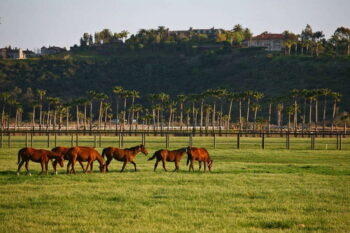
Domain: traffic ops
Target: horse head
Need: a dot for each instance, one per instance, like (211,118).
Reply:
(210,164)
(143,149)
(103,168)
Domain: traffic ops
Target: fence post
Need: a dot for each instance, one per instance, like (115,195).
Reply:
(263,141)
(214,141)
(238,140)
(48,140)
(288,140)
(31,139)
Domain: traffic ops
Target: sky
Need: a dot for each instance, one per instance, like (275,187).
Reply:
(36,23)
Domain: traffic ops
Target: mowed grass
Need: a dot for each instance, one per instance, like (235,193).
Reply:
(249,190)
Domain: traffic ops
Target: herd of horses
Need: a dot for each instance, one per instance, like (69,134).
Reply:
(89,154)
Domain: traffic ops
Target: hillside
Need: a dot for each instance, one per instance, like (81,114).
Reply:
(71,75)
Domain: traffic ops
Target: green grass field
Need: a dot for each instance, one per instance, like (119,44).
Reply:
(249,190)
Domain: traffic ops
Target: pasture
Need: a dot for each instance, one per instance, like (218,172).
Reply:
(249,190)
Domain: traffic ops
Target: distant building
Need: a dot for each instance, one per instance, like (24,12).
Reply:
(51,50)
(28,53)
(4,53)
(271,42)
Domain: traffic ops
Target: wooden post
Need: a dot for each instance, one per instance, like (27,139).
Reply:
(287,141)
(31,139)
(77,139)
(238,140)
(263,141)
(48,140)
(55,139)
(26,143)
(214,141)
(71,140)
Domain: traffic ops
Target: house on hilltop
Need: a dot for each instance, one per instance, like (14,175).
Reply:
(51,50)
(271,41)
(12,53)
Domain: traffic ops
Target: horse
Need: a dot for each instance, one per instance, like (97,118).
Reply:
(38,156)
(62,151)
(199,154)
(83,154)
(170,156)
(123,155)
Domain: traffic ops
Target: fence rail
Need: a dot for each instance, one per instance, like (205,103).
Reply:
(234,140)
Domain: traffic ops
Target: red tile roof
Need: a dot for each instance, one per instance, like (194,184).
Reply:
(268,36)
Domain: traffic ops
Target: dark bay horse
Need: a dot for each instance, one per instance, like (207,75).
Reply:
(124,155)
(62,151)
(199,154)
(84,154)
(39,156)
(170,156)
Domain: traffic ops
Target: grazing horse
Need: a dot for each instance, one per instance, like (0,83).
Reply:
(170,156)
(199,154)
(38,156)
(62,151)
(84,154)
(124,155)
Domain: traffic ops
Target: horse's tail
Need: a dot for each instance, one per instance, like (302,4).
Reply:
(19,155)
(188,158)
(104,152)
(154,155)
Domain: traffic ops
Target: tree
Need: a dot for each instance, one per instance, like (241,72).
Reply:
(343,35)
(92,96)
(134,95)
(316,41)
(295,93)
(336,98)
(181,99)
(118,90)
(4,97)
(101,97)
(41,94)
(306,36)
(324,92)
(290,39)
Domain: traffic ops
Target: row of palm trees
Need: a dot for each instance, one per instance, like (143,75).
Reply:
(219,109)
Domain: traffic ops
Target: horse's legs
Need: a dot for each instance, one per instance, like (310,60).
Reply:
(205,166)
(81,164)
(134,164)
(54,166)
(108,162)
(19,166)
(87,166)
(176,166)
(155,165)
(42,163)
(27,162)
(91,167)
(68,165)
(191,165)
(125,162)
(200,165)
(73,166)
(46,167)
(163,161)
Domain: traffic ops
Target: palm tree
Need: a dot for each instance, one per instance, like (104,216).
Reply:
(207,109)
(295,93)
(343,34)
(336,98)
(171,105)
(153,99)
(231,96)
(316,40)
(92,96)
(193,98)
(66,107)
(125,95)
(106,108)
(134,95)
(324,92)
(101,97)
(255,107)
(4,96)
(270,101)
(202,98)
(181,99)
(290,110)
(248,95)
(316,93)
(345,118)
(118,90)
(240,97)
(138,108)
(41,94)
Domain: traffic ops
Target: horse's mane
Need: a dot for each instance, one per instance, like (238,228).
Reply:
(132,148)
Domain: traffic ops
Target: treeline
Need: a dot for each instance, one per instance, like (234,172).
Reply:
(221,109)
(307,41)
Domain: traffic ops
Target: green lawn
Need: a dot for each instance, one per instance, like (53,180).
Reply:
(249,190)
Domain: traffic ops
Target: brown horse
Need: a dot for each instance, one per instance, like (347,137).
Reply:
(62,151)
(124,155)
(199,154)
(170,156)
(84,154)
(39,156)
